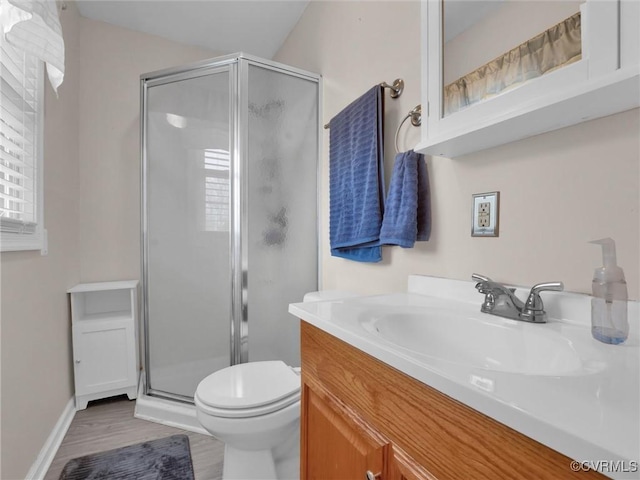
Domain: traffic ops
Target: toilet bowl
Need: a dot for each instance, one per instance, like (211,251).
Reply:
(254,408)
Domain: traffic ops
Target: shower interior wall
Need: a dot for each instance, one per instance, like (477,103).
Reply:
(230,161)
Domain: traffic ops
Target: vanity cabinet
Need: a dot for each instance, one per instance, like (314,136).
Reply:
(104,331)
(362,419)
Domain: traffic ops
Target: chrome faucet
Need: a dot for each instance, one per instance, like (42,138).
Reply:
(502,301)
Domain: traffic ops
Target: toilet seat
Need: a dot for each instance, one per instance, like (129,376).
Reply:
(246,412)
(248,390)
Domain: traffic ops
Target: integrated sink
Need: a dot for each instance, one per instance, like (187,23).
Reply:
(483,341)
(550,381)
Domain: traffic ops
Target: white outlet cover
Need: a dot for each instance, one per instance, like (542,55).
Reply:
(490,228)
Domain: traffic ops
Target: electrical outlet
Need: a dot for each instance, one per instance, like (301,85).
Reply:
(484,218)
(484,214)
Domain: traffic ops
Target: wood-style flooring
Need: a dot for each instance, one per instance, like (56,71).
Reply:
(109,424)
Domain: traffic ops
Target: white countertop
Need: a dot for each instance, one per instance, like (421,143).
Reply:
(592,415)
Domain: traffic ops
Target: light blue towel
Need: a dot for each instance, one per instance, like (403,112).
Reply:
(407,215)
(356,179)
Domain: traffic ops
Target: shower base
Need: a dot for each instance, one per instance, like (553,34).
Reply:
(166,412)
(181,379)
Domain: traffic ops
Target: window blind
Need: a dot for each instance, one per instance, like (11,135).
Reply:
(216,164)
(19,107)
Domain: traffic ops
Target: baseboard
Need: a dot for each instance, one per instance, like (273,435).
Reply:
(39,468)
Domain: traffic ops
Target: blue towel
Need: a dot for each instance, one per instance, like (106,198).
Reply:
(407,216)
(356,179)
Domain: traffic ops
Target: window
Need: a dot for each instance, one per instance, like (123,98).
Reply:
(21,120)
(216,165)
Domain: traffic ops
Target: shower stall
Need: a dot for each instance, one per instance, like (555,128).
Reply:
(229,216)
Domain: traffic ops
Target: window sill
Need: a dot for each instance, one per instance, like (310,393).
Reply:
(15,242)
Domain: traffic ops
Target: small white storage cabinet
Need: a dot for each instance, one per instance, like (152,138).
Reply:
(105,339)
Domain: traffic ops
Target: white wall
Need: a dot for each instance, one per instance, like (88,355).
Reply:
(558,190)
(112,60)
(37,379)
(91,183)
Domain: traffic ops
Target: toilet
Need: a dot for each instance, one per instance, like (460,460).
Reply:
(254,408)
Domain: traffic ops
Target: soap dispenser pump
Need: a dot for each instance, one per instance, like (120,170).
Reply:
(609,322)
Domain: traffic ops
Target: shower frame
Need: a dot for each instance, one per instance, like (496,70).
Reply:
(238,66)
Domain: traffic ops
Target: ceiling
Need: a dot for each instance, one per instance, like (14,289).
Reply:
(258,27)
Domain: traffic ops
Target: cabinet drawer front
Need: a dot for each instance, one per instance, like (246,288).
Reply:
(104,358)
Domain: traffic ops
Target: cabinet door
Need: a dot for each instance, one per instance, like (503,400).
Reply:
(337,445)
(104,355)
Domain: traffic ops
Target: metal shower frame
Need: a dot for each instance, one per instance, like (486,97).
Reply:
(237,65)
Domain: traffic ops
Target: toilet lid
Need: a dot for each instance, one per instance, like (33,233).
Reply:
(249,385)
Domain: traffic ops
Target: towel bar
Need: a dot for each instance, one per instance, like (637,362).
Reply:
(396,90)
(416,121)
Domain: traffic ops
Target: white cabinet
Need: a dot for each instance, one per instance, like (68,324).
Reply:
(605,80)
(105,338)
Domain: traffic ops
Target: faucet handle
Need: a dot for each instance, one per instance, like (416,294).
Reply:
(551,286)
(480,278)
(534,306)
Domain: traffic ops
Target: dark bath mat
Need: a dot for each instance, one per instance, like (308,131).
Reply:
(163,459)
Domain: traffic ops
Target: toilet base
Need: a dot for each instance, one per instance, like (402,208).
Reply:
(248,464)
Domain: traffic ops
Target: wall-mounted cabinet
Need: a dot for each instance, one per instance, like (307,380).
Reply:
(104,326)
(470,107)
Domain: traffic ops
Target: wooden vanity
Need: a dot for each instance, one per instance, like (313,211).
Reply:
(362,419)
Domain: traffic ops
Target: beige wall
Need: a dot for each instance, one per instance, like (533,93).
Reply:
(112,60)
(37,380)
(558,190)
(92,217)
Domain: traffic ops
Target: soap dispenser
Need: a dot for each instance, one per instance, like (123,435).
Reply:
(609,322)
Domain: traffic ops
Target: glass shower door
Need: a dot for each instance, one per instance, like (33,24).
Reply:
(187,260)
(282,240)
